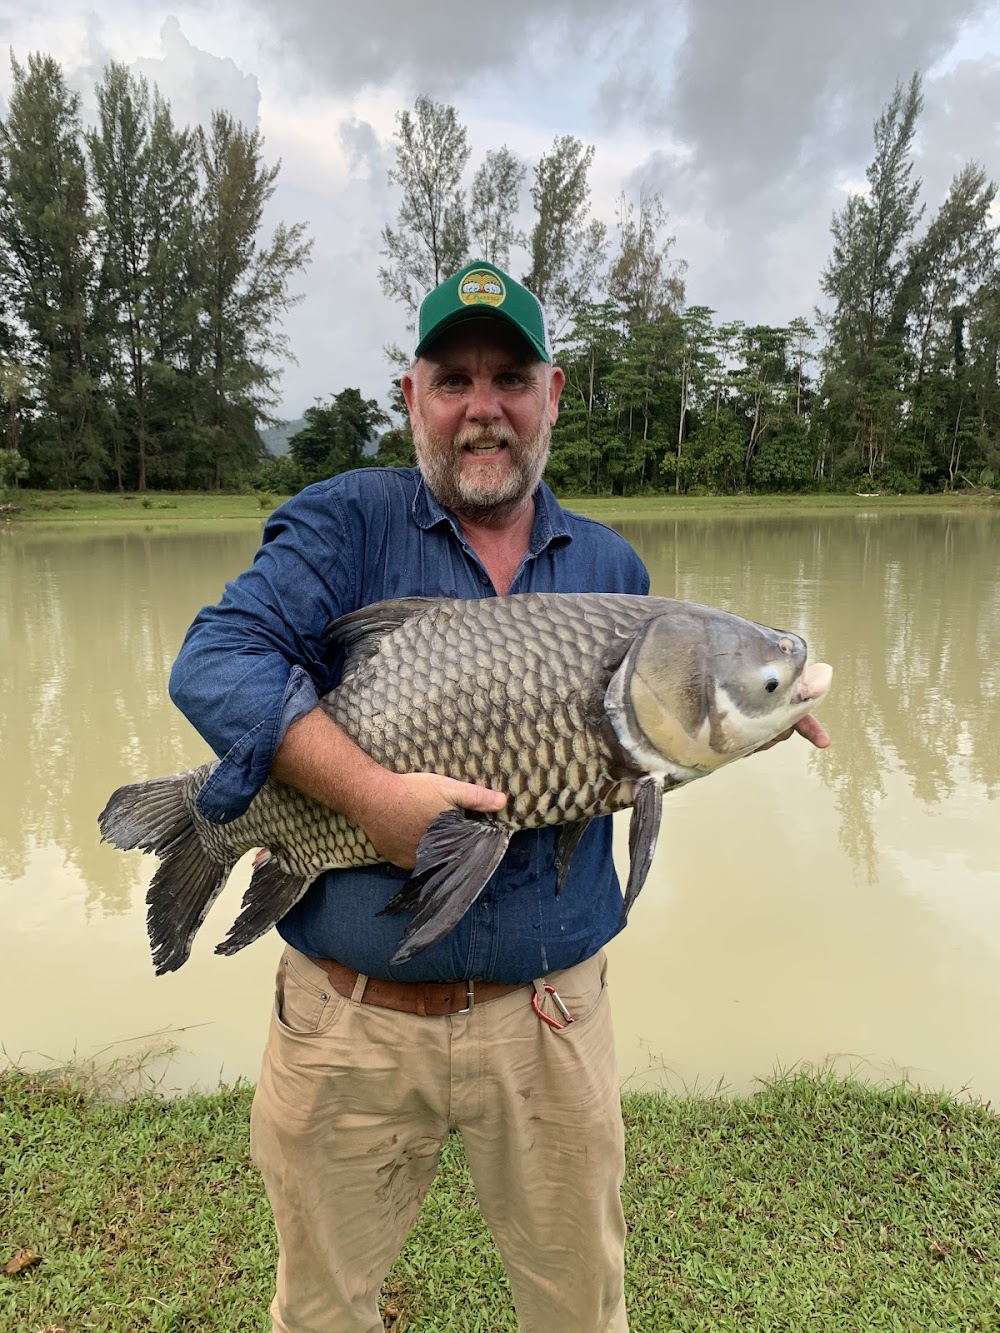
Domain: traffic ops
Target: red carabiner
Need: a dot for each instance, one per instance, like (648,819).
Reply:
(557,999)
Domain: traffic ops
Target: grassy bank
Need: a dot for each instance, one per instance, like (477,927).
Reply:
(151,507)
(816,1204)
(168,507)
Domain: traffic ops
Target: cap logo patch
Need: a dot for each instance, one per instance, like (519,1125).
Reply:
(482,287)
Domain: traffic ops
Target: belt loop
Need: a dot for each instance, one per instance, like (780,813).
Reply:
(359,988)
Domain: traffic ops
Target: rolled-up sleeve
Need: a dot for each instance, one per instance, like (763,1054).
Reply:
(253,664)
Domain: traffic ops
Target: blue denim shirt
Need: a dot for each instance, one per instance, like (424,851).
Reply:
(253,664)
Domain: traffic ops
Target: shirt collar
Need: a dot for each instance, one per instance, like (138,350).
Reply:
(549,526)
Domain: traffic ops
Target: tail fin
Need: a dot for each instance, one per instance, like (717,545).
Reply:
(158,817)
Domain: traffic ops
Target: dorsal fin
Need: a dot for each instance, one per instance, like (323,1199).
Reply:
(357,635)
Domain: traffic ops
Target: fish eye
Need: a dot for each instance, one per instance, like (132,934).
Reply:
(770,684)
(785,645)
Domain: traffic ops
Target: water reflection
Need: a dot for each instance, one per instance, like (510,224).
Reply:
(906,607)
(89,627)
(761,939)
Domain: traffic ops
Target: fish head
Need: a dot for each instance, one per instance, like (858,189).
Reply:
(699,688)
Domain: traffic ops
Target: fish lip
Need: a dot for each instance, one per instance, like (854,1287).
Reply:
(814,683)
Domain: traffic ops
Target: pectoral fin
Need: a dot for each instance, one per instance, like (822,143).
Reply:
(566,845)
(643,829)
(456,858)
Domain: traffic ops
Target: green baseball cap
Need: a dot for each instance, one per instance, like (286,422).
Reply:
(480,290)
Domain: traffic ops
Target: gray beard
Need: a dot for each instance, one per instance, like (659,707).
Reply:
(440,463)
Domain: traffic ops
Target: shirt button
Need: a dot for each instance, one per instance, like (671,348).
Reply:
(485,579)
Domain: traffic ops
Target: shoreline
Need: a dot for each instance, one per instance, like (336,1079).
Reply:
(155,508)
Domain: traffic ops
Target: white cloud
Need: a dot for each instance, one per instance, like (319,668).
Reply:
(197,83)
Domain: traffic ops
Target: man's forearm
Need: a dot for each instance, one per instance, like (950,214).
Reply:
(318,757)
(394,809)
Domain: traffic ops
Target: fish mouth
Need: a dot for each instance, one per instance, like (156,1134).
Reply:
(814,682)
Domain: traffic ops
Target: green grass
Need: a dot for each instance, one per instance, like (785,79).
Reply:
(83,507)
(816,1204)
(163,507)
(611,509)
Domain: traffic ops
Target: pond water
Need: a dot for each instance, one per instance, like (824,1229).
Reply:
(838,907)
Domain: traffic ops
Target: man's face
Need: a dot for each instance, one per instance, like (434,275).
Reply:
(482,407)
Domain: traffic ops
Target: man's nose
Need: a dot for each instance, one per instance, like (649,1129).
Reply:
(483,403)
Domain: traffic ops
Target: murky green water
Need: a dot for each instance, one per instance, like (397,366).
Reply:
(839,906)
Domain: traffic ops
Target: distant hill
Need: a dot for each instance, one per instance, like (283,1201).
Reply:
(276,437)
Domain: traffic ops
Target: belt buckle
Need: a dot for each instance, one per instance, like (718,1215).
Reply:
(470,995)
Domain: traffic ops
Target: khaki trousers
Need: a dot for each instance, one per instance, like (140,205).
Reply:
(352,1108)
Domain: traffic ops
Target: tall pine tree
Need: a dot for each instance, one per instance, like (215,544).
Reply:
(244,290)
(864,280)
(431,238)
(567,247)
(47,265)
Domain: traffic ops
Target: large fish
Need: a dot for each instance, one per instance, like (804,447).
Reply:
(574,705)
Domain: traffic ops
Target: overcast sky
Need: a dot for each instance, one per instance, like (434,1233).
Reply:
(752,118)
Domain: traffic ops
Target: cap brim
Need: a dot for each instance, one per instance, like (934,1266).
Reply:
(479,312)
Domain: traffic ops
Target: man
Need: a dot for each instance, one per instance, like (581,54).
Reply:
(368,1066)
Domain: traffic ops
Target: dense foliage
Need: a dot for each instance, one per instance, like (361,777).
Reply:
(138,301)
(139,309)
(337,436)
(892,386)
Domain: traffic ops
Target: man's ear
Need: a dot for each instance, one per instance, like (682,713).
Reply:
(409,390)
(556,383)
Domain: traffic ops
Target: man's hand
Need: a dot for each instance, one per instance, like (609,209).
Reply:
(813,730)
(809,727)
(396,820)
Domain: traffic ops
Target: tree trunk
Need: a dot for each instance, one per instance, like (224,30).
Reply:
(680,426)
(956,449)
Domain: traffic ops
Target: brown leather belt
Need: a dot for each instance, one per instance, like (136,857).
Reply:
(430,998)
